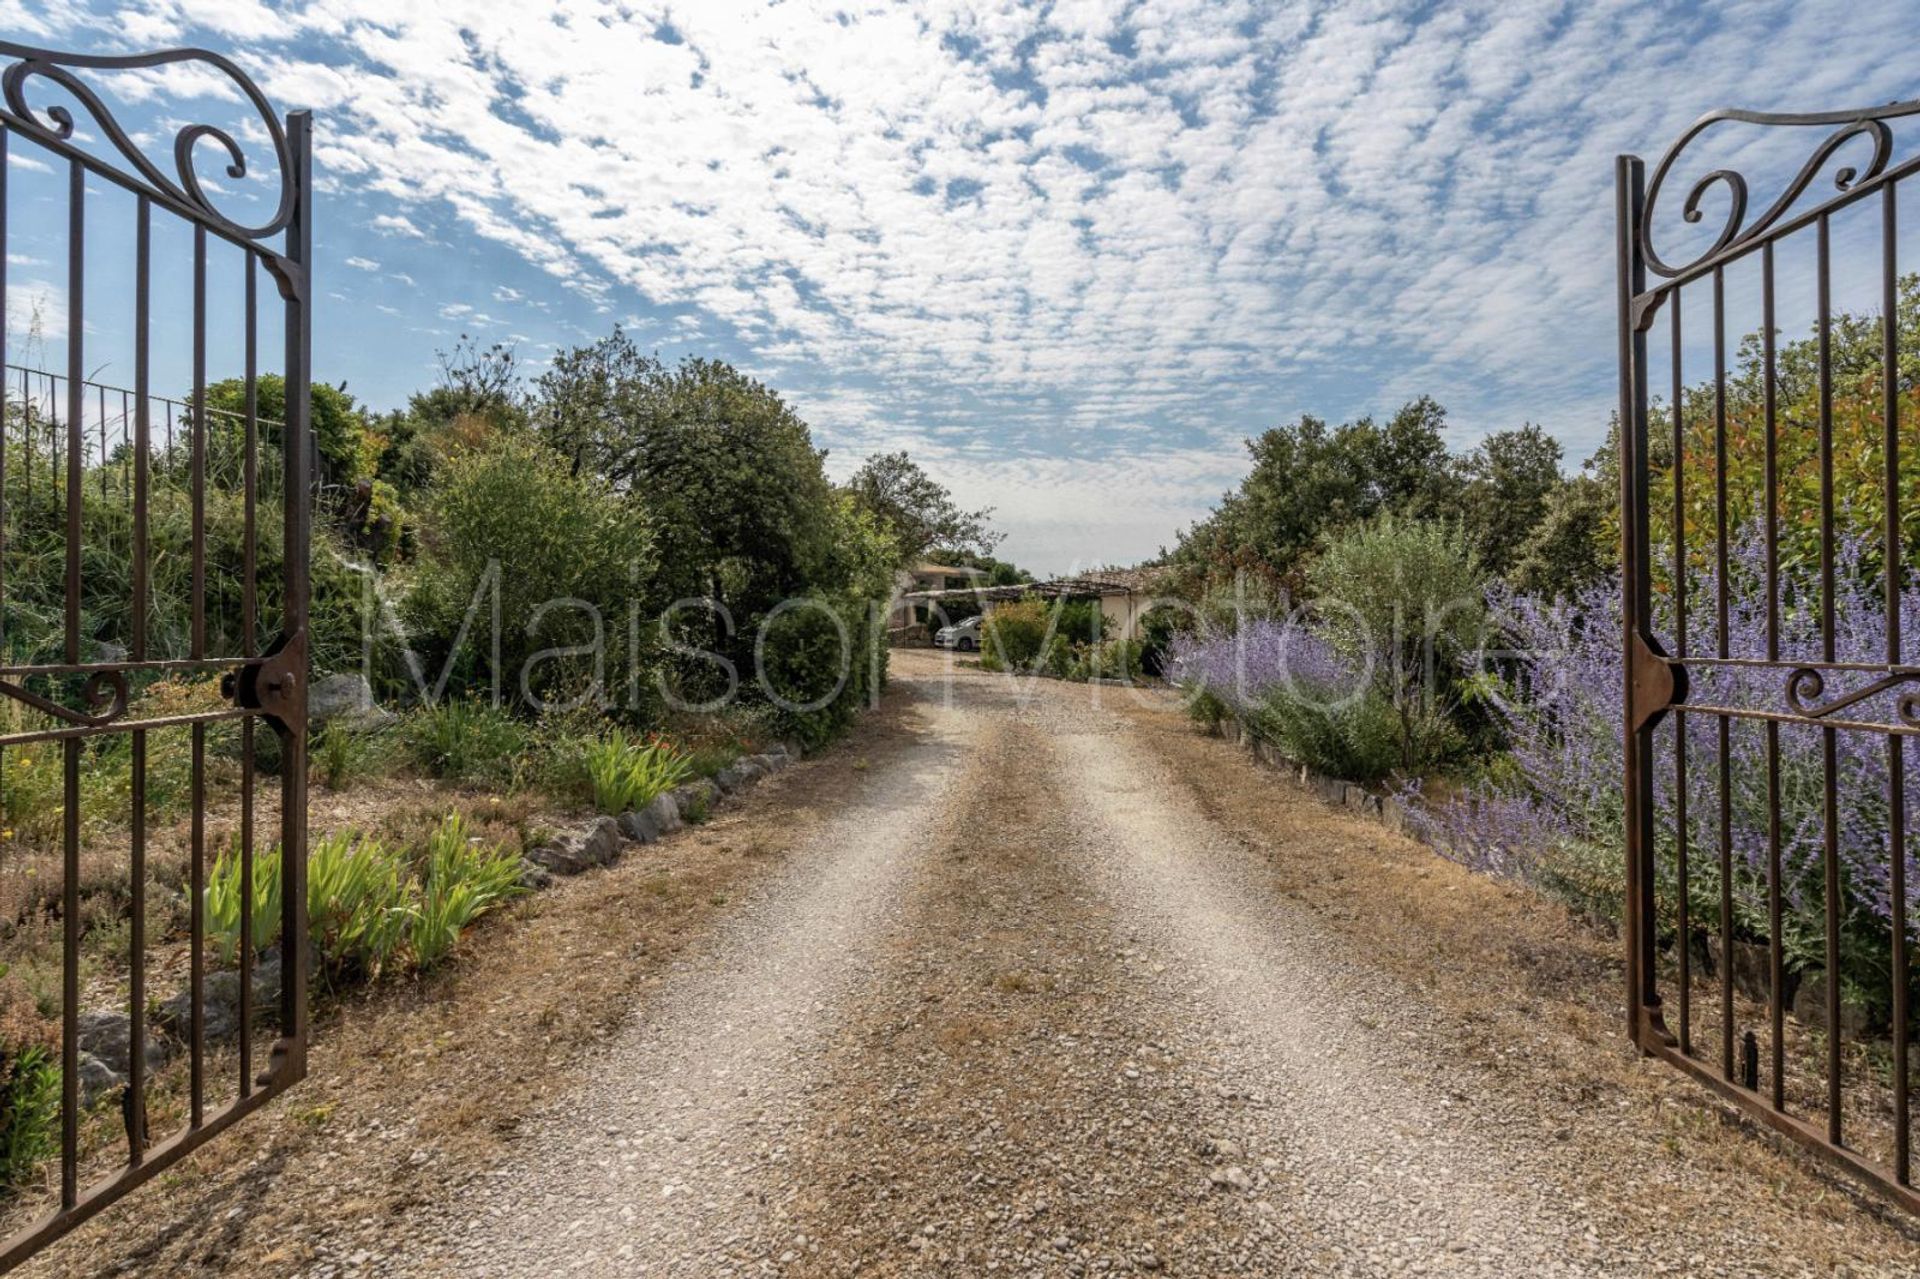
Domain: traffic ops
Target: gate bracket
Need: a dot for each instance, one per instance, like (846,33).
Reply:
(1655,683)
(273,685)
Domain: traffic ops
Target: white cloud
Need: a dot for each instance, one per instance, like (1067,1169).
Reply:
(394,224)
(362,264)
(36,312)
(1012,242)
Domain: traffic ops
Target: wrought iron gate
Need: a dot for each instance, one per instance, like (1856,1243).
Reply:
(1749,497)
(172,665)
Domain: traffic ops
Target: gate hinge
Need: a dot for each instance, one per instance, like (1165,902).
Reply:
(276,684)
(1655,684)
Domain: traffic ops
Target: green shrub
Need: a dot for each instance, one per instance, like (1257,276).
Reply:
(819,660)
(1079,621)
(224,902)
(1040,635)
(463,878)
(627,776)
(1406,599)
(559,741)
(1013,635)
(36,578)
(1057,657)
(29,1112)
(341,755)
(1113,659)
(1359,742)
(465,740)
(359,908)
(557,539)
(1205,707)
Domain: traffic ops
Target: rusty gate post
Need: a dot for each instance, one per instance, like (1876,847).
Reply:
(1643,999)
(292,725)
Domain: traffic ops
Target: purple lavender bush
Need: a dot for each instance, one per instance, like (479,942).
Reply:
(1551,811)
(1289,685)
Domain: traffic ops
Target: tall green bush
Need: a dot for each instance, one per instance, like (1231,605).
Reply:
(1013,635)
(560,548)
(1405,600)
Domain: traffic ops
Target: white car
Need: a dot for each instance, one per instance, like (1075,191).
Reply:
(963,636)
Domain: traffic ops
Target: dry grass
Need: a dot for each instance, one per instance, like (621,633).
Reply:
(414,1084)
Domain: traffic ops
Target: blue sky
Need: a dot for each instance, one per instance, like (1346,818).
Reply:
(1068,254)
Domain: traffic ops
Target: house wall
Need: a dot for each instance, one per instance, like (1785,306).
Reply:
(1122,614)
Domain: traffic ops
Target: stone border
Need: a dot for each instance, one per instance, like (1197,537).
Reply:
(601,841)
(1387,810)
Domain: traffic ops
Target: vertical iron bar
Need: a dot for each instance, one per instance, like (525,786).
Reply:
(1643,1000)
(247,620)
(4,425)
(1683,899)
(1829,740)
(1896,575)
(1721,610)
(103,441)
(297,509)
(137,651)
(70,889)
(1776,954)
(197,908)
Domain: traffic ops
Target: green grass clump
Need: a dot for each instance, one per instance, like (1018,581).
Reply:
(369,910)
(627,775)
(465,740)
(225,885)
(462,880)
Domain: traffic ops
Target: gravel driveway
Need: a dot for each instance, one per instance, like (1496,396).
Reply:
(1030,1003)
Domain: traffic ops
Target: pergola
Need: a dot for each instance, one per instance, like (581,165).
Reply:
(1063,587)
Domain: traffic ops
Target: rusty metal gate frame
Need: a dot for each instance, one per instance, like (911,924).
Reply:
(264,681)
(1656,683)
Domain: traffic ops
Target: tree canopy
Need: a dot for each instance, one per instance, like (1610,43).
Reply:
(918,510)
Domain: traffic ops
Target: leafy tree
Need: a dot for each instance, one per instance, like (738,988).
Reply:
(1406,600)
(999,572)
(1308,480)
(1858,446)
(1575,544)
(1504,488)
(476,382)
(339,429)
(918,510)
(741,506)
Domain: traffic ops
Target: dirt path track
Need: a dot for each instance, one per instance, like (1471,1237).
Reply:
(1027,979)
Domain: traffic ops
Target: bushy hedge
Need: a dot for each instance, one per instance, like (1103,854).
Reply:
(570,560)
